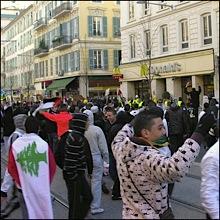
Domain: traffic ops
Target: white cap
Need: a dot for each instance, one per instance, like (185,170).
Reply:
(136,96)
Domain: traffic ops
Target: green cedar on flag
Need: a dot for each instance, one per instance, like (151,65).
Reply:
(144,70)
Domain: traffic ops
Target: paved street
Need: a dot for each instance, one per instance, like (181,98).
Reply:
(185,203)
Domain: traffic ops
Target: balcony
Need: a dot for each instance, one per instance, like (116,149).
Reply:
(61,42)
(41,52)
(62,10)
(40,24)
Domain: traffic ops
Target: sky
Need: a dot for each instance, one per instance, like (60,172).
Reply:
(17,4)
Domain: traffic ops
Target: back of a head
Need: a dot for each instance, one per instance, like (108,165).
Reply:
(90,116)
(63,107)
(79,122)
(31,125)
(19,121)
(127,108)
(144,120)
(206,105)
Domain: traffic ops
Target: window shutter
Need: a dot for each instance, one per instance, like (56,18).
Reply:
(77,27)
(104,21)
(116,64)
(105,53)
(114,22)
(90,18)
(78,60)
(91,64)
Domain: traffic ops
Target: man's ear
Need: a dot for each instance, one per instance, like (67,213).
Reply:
(144,133)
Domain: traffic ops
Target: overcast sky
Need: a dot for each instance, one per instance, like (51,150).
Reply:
(17,4)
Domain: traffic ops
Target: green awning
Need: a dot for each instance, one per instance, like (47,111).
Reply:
(60,83)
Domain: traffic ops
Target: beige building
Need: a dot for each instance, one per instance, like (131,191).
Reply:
(177,40)
(18,56)
(77,45)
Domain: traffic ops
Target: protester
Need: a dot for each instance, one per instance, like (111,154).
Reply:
(31,163)
(210,179)
(8,183)
(99,150)
(77,158)
(62,119)
(144,172)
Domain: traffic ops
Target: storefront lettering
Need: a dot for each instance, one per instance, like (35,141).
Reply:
(176,67)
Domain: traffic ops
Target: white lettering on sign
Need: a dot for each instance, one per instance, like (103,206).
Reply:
(176,67)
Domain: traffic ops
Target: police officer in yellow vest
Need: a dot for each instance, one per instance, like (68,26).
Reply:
(136,101)
(180,101)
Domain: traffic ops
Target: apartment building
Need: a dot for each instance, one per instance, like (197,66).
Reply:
(177,41)
(77,45)
(17,56)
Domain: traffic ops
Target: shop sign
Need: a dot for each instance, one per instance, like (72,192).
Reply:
(117,73)
(175,67)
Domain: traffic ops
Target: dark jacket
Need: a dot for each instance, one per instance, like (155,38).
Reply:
(194,96)
(177,121)
(8,122)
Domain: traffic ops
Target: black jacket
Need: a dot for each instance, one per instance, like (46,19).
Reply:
(177,121)
(8,122)
(194,97)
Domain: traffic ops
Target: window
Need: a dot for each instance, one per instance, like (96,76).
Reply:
(184,33)
(98,59)
(97,56)
(148,42)
(51,66)
(97,1)
(57,66)
(117,58)
(207,29)
(118,2)
(46,67)
(97,26)
(146,7)
(116,27)
(131,9)
(164,31)
(132,46)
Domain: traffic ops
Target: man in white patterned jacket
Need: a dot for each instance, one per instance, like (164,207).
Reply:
(143,171)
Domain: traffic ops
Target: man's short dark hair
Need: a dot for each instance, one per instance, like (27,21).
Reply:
(110,109)
(31,125)
(144,120)
(63,107)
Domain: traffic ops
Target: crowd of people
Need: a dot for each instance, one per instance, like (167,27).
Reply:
(145,147)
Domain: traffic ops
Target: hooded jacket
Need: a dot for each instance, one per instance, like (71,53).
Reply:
(150,171)
(96,138)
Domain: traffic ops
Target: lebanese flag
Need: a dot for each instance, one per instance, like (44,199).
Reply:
(32,166)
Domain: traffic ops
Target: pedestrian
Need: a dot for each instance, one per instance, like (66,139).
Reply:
(8,127)
(62,119)
(144,172)
(209,190)
(205,109)
(77,158)
(194,98)
(122,118)
(31,163)
(99,150)
(7,182)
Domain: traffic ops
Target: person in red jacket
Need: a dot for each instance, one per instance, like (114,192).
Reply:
(62,119)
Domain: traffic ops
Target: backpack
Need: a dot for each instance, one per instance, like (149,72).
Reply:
(59,153)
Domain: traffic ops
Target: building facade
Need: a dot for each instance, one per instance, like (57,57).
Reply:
(177,41)
(77,45)
(17,56)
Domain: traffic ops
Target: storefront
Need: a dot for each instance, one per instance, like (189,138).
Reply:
(171,74)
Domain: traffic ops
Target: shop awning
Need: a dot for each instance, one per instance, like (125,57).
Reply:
(60,83)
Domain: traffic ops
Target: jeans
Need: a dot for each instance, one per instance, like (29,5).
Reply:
(79,197)
(96,181)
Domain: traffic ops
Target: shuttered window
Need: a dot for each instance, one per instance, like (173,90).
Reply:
(116,27)
(97,26)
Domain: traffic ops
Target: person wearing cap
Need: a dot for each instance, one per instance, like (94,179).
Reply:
(99,150)
(77,158)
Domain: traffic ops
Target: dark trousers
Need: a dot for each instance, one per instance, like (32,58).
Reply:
(79,197)
(114,175)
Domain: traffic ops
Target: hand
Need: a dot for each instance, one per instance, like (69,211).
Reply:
(205,123)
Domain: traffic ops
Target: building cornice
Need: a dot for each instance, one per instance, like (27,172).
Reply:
(161,14)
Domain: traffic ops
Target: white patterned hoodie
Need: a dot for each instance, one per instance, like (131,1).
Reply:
(150,171)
